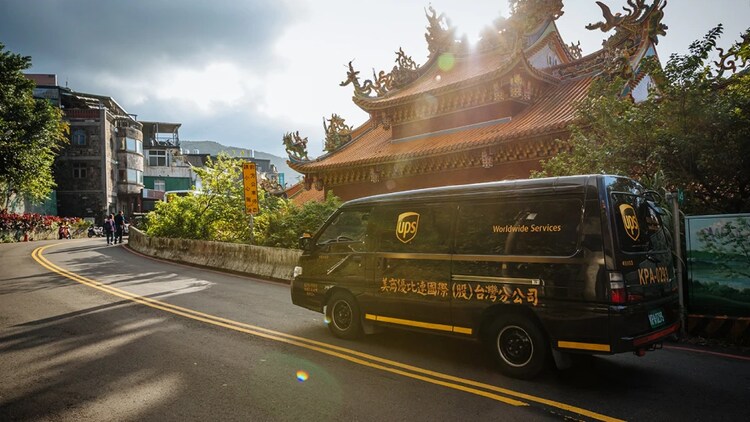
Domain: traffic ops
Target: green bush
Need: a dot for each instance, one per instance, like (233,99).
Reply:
(217,212)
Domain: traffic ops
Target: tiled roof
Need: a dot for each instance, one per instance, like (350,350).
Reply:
(550,114)
(464,69)
(302,196)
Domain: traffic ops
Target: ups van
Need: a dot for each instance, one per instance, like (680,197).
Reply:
(534,268)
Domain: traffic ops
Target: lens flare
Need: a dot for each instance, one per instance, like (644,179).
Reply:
(302,376)
(446,61)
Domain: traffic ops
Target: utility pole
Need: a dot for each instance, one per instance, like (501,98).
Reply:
(673,196)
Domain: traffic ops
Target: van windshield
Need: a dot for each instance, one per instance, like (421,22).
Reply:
(638,223)
(347,226)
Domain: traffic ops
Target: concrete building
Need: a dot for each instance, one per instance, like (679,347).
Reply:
(101,170)
(166,167)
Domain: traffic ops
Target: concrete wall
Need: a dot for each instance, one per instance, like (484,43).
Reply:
(261,261)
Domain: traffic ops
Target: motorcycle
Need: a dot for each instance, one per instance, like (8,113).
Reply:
(63,232)
(95,231)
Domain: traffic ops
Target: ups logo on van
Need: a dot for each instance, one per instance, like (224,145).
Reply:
(630,221)
(406,226)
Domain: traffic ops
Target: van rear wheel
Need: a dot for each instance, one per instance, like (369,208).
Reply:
(518,345)
(343,316)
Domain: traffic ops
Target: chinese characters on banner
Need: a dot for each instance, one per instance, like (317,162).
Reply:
(250,183)
(480,291)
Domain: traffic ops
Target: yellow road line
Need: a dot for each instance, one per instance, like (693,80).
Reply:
(353,356)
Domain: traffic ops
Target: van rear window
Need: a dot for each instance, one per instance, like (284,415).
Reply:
(538,228)
(638,224)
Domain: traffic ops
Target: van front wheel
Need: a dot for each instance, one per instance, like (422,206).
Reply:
(343,316)
(518,345)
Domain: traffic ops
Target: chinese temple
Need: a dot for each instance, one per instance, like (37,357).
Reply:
(485,112)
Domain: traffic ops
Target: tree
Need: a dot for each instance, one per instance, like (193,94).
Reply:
(284,226)
(217,212)
(31,133)
(692,133)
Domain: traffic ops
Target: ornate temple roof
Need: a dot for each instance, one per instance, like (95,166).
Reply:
(522,76)
(550,114)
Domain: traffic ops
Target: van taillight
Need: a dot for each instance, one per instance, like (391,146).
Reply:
(617,288)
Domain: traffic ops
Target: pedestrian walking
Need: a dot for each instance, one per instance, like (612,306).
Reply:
(109,228)
(119,226)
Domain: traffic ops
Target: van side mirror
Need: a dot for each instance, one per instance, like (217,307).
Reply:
(304,241)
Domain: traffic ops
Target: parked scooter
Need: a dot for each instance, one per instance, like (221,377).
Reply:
(95,231)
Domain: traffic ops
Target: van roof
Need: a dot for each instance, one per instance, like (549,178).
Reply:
(548,184)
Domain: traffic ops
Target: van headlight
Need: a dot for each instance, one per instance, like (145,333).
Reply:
(297,272)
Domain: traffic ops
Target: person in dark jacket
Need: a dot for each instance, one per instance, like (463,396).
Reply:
(109,228)
(119,226)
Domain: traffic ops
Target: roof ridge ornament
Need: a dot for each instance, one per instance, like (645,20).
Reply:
(727,61)
(640,21)
(338,133)
(440,35)
(640,24)
(528,14)
(296,146)
(404,72)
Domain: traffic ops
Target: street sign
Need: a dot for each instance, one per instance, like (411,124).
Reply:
(250,183)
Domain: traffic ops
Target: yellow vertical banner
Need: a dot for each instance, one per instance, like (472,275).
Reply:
(250,183)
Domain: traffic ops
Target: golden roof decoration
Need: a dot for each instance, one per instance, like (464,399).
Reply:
(639,21)
(440,35)
(728,60)
(404,72)
(337,132)
(296,146)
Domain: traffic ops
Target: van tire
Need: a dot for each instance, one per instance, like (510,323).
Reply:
(343,316)
(518,345)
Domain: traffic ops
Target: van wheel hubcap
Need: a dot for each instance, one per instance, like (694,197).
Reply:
(342,315)
(515,346)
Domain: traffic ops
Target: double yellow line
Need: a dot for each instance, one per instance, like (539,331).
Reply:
(503,395)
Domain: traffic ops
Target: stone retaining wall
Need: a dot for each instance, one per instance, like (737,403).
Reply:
(261,261)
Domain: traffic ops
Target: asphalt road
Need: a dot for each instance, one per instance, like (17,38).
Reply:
(96,332)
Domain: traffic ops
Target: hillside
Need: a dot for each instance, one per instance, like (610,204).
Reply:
(213,148)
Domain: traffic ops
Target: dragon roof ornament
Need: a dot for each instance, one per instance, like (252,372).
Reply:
(296,146)
(640,21)
(440,35)
(728,61)
(338,133)
(404,72)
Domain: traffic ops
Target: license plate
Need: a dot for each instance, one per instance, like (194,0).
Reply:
(656,318)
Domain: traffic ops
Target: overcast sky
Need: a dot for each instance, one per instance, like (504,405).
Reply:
(244,72)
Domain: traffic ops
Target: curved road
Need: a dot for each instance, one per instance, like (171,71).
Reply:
(96,332)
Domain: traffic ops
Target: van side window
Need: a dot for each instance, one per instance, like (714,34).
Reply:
(539,228)
(413,229)
(347,226)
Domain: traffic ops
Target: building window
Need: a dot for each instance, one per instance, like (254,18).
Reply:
(131,176)
(79,137)
(157,158)
(79,170)
(133,145)
(160,184)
